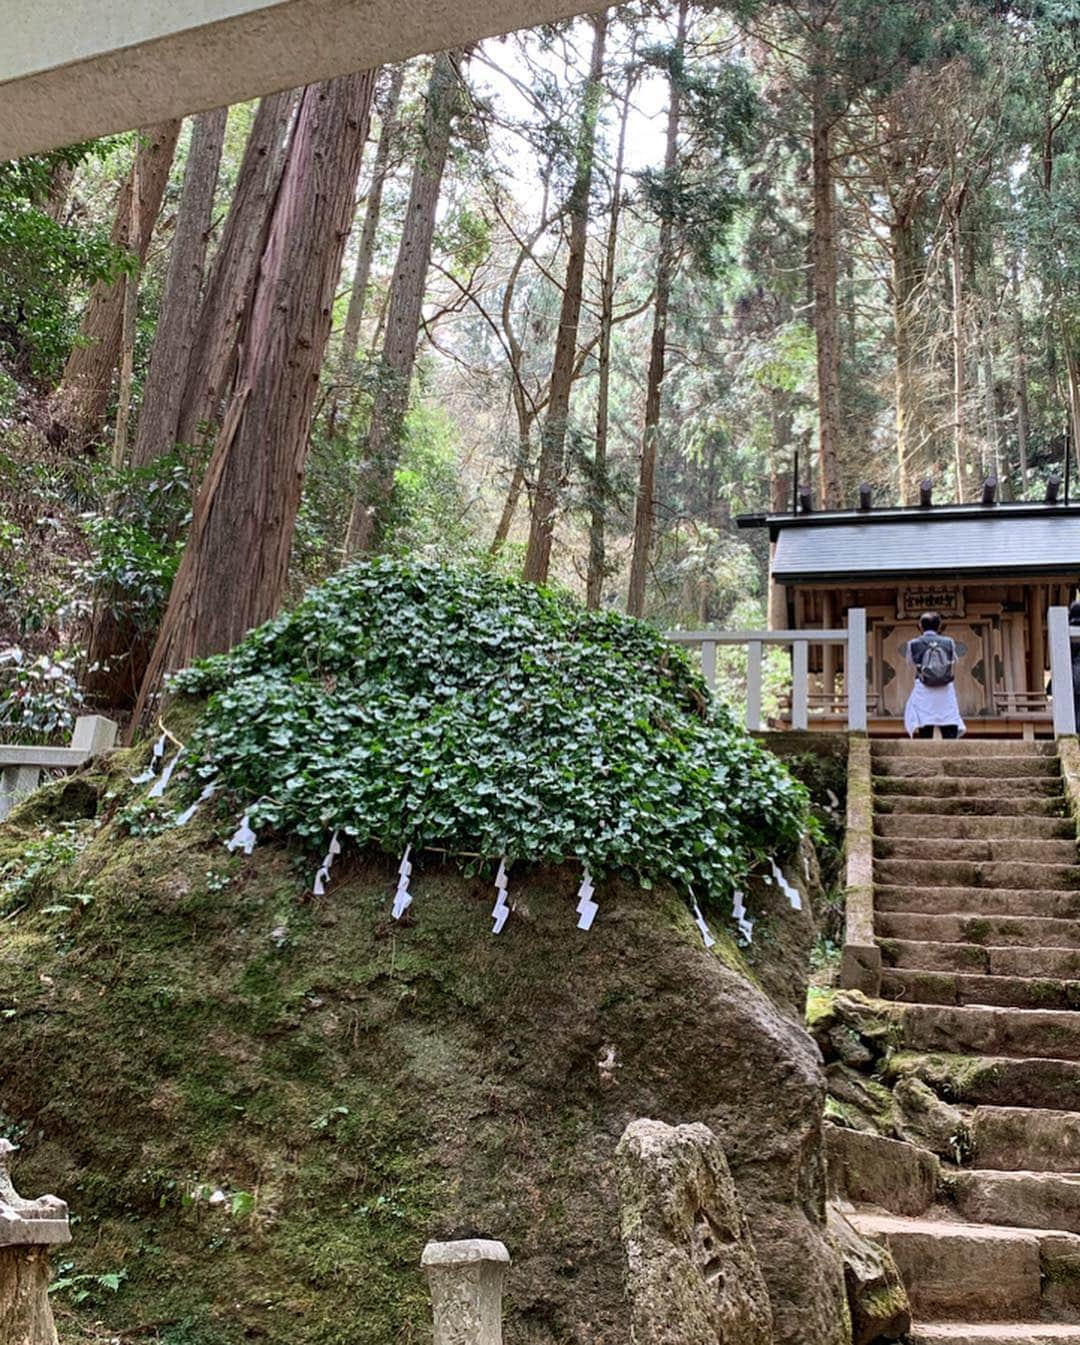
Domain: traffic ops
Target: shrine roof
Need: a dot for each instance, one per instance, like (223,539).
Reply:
(940,542)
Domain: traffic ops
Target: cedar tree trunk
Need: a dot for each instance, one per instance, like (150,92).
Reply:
(171,353)
(82,398)
(553,437)
(373,499)
(235,565)
(234,269)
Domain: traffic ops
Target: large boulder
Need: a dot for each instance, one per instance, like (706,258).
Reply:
(692,1273)
(346,1087)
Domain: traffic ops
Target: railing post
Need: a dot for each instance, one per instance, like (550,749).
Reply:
(708,662)
(1061,675)
(94,734)
(855,670)
(800,684)
(753,685)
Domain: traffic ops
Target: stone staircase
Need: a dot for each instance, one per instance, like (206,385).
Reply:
(976,906)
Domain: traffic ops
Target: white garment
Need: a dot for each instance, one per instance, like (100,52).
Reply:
(931,706)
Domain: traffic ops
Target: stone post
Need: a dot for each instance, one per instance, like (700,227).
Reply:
(28,1228)
(466,1283)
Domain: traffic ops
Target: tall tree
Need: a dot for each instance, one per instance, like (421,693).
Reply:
(81,401)
(553,438)
(365,253)
(599,486)
(233,272)
(171,352)
(375,487)
(645,513)
(235,563)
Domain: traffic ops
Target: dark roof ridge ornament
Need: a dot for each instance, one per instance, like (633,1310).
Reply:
(1053,486)
(866,497)
(806,500)
(989,494)
(926,493)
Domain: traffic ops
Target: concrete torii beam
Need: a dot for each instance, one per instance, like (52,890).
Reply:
(94,67)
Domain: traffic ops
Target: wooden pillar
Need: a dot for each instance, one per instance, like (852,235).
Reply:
(828,652)
(1036,617)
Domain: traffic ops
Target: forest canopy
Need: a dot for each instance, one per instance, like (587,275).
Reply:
(562,305)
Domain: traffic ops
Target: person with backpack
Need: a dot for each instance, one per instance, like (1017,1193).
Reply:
(932,703)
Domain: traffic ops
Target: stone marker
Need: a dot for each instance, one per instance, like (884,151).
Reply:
(692,1274)
(27,1229)
(466,1282)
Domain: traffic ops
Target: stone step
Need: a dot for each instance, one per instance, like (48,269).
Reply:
(1019,1199)
(1007,850)
(954,1270)
(964,873)
(956,927)
(995,805)
(911,985)
(1026,1139)
(965,747)
(993,1333)
(955,826)
(967,786)
(975,959)
(976,901)
(992,1081)
(945,766)
(990,1030)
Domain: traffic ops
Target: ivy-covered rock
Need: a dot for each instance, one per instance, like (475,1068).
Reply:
(401,704)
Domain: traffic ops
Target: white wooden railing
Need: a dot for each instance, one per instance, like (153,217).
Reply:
(853,640)
(1061,639)
(21,767)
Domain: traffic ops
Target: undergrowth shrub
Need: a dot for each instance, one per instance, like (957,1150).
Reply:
(402,705)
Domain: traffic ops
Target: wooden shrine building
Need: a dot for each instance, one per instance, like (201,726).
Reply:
(991,570)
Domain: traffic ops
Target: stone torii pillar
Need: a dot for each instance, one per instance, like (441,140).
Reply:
(28,1228)
(466,1283)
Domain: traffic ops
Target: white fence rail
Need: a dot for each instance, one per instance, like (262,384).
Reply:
(21,767)
(1062,637)
(852,640)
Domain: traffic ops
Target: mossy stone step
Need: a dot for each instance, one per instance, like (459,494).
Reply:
(991,1030)
(1020,1199)
(964,747)
(959,827)
(912,985)
(1005,850)
(956,927)
(947,767)
(1061,904)
(954,1270)
(979,960)
(993,1081)
(965,873)
(994,805)
(994,1333)
(1024,1139)
(968,786)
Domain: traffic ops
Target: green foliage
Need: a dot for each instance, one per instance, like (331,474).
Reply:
(45,263)
(39,697)
(407,705)
(87,1289)
(137,543)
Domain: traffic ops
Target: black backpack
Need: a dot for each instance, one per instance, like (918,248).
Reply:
(937,666)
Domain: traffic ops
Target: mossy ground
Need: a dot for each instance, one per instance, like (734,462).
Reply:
(178,1020)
